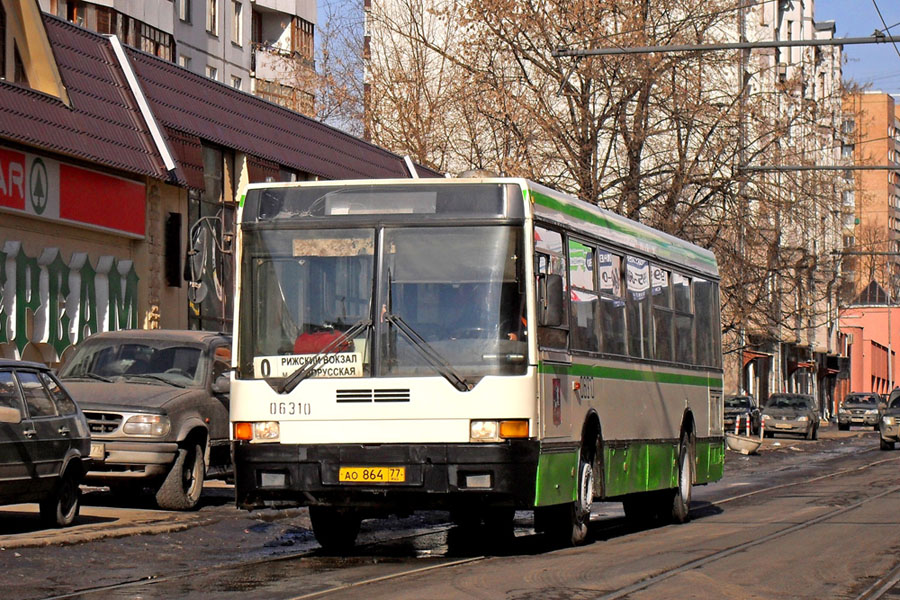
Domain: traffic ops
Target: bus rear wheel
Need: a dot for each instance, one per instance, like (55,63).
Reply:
(335,529)
(681,500)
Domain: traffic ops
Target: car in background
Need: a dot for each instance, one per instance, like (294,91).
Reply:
(860,408)
(156,403)
(889,426)
(44,442)
(741,406)
(791,413)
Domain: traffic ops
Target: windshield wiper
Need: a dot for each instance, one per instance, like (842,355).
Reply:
(90,375)
(156,377)
(437,361)
(286,385)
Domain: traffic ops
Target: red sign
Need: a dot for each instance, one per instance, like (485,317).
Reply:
(12,179)
(56,191)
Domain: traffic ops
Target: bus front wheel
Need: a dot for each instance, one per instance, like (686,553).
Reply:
(568,523)
(335,529)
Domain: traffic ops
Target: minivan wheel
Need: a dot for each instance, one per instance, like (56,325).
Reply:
(182,486)
(60,509)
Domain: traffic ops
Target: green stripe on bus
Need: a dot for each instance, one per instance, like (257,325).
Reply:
(601,372)
(243,197)
(588,216)
(555,481)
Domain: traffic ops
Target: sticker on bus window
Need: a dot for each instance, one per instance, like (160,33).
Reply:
(341,364)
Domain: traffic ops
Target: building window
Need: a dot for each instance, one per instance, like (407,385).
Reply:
(75,12)
(847,151)
(237,26)
(212,72)
(302,38)
(154,41)
(212,16)
(236,82)
(184,10)
(184,61)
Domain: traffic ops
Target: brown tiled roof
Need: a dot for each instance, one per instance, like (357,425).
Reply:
(103,125)
(218,113)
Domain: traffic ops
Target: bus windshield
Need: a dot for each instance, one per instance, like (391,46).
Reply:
(458,290)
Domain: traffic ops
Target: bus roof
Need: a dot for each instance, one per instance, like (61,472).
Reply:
(544,202)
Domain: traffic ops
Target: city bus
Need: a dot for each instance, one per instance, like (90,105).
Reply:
(479,346)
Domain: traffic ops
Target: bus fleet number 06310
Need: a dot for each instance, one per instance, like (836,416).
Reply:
(290,409)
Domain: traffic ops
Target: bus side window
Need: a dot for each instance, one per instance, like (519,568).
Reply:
(684,319)
(612,306)
(584,331)
(637,306)
(663,317)
(550,261)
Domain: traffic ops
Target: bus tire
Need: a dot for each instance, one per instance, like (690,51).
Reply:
(681,500)
(335,529)
(568,523)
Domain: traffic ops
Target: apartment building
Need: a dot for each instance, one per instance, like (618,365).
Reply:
(794,344)
(264,47)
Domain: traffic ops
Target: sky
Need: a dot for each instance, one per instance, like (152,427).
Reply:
(874,64)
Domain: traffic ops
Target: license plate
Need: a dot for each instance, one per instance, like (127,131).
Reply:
(372,474)
(98,451)
(782,425)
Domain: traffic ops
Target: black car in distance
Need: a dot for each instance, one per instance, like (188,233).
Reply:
(738,409)
(44,442)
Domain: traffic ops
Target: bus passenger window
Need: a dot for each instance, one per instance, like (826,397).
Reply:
(611,321)
(637,303)
(584,332)
(684,319)
(662,313)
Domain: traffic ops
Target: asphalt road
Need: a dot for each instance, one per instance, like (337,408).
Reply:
(801,520)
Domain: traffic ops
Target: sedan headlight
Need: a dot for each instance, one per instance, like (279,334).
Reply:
(766,417)
(843,411)
(147,425)
(888,420)
(872,411)
(803,418)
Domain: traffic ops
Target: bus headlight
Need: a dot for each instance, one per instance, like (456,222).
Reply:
(268,431)
(495,431)
(147,425)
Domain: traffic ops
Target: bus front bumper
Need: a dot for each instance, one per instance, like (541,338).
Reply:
(434,476)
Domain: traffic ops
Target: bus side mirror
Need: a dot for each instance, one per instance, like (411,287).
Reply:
(550,300)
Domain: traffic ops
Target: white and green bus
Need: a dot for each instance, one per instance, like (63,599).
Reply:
(473,345)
